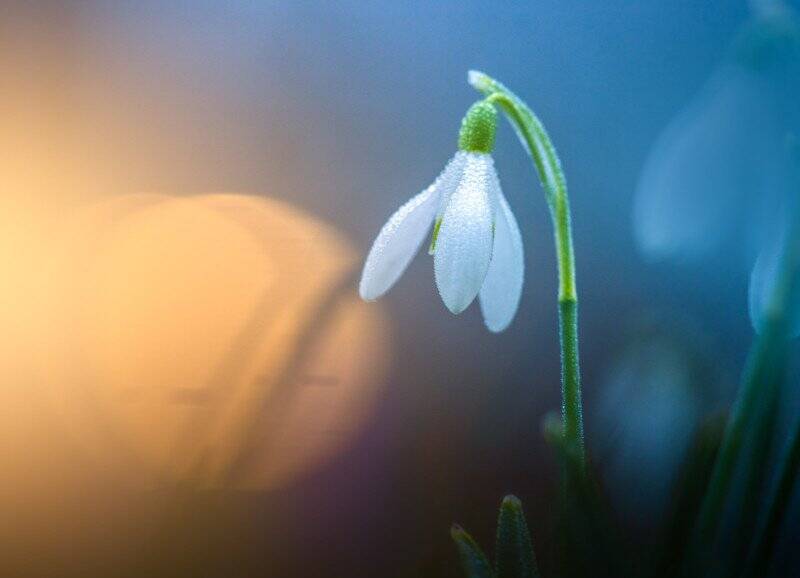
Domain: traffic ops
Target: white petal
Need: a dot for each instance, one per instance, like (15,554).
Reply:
(450,181)
(401,237)
(464,245)
(502,288)
(448,185)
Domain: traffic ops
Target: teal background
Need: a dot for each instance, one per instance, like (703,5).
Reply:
(346,109)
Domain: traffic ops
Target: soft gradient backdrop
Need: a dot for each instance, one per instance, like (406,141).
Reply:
(163,164)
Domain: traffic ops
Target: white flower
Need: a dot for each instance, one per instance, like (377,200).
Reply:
(722,173)
(719,172)
(476,246)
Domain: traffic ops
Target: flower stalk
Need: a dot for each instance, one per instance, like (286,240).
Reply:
(537,143)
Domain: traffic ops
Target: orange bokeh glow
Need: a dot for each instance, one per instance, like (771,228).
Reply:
(214,339)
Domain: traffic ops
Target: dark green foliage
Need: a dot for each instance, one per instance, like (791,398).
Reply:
(688,496)
(514,557)
(778,503)
(473,560)
(514,551)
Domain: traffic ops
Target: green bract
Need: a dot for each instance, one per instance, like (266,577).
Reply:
(478,128)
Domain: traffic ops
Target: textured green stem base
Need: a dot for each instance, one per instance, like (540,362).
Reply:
(571,404)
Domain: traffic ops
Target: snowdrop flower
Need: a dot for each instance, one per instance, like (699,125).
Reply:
(475,242)
(721,167)
(718,166)
(722,170)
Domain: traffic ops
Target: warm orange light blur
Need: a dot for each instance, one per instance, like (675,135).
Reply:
(214,339)
(208,329)
(156,340)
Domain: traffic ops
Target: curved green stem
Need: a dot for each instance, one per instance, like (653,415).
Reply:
(537,143)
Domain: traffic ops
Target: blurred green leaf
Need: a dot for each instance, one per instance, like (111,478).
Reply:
(514,555)
(748,428)
(777,507)
(590,541)
(688,495)
(756,461)
(473,560)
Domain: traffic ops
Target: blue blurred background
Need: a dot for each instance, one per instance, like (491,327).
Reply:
(343,110)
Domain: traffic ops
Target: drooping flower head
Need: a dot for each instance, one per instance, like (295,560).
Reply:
(721,168)
(475,241)
(722,171)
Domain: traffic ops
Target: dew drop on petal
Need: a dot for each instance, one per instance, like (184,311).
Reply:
(464,245)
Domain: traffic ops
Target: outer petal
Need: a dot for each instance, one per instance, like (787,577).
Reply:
(450,182)
(502,288)
(464,245)
(401,237)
